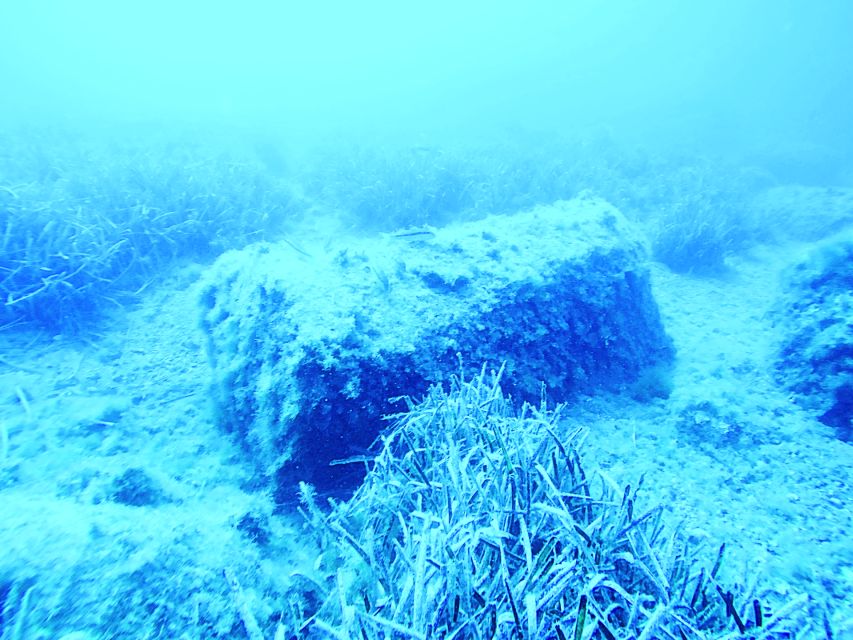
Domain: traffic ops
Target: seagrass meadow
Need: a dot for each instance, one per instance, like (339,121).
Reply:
(88,221)
(441,320)
(555,389)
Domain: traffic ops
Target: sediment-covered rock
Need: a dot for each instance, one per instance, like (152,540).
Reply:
(815,315)
(307,344)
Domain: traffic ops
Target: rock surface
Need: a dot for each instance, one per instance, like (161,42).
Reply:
(308,344)
(816,315)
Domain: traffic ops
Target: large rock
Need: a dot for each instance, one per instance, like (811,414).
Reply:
(308,344)
(815,316)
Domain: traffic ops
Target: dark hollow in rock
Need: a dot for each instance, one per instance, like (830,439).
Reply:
(308,346)
(137,489)
(840,414)
(255,527)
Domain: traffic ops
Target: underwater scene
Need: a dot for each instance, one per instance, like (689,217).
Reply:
(421,321)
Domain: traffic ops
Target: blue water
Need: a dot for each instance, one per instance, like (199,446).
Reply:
(146,149)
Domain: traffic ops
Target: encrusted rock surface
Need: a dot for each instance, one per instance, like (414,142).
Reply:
(308,344)
(816,318)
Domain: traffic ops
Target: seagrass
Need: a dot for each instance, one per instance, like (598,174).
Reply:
(477,520)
